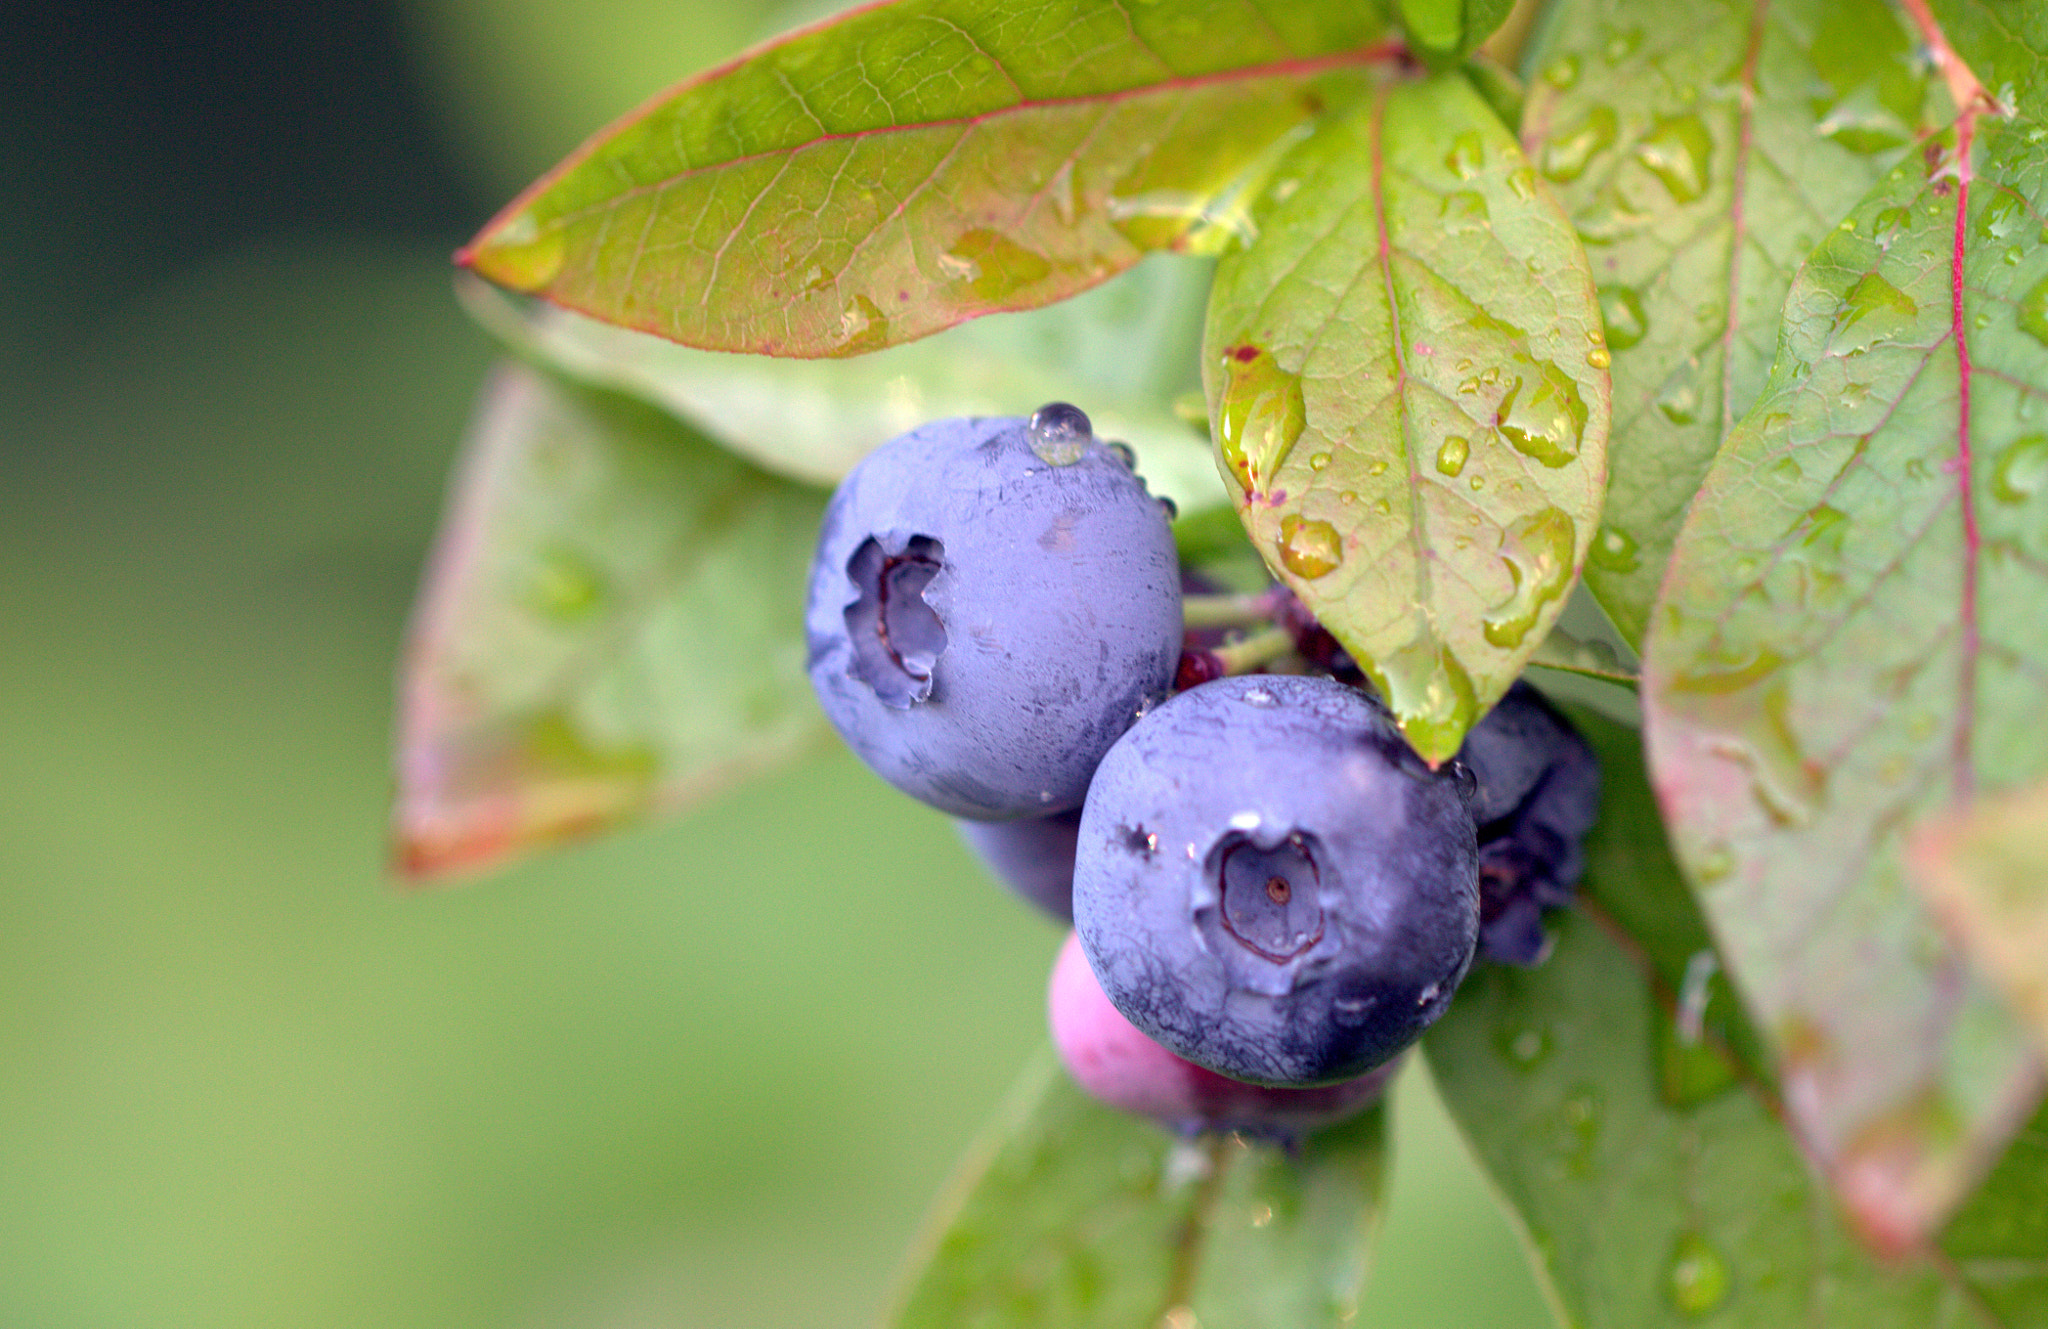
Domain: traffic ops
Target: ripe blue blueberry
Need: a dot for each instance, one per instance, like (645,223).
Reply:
(1033,856)
(992,604)
(1536,794)
(1271,884)
(1114,1062)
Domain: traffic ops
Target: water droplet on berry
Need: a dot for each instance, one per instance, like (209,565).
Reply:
(1124,453)
(1309,547)
(1060,433)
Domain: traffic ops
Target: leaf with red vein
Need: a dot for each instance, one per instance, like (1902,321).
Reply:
(1985,871)
(1618,1100)
(2005,44)
(1700,161)
(610,626)
(1406,378)
(908,165)
(1854,638)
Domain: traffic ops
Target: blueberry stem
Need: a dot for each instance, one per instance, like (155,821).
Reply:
(1261,648)
(1226,611)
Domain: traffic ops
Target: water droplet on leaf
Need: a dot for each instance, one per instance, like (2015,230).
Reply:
(1679,152)
(1309,547)
(1621,311)
(1614,550)
(1467,157)
(1562,72)
(1570,151)
(1318,461)
(1538,552)
(521,256)
(1549,421)
(1463,212)
(1259,416)
(566,587)
(862,327)
(2022,469)
(2033,312)
(1698,1278)
(1450,458)
(1599,358)
(992,267)
(2003,215)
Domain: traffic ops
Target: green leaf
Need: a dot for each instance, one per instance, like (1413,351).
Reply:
(1406,378)
(612,624)
(1701,150)
(1985,871)
(1124,352)
(1450,28)
(908,165)
(1070,1213)
(1999,1240)
(1614,1095)
(1853,638)
(2005,43)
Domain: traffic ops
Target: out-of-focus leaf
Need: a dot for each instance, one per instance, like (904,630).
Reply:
(1450,28)
(1407,381)
(1072,1214)
(902,167)
(1853,638)
(2005,44)
(1999,1239)
(1615,1095)
(1122,352)
(1701,150)
(1986,872)
(611,624)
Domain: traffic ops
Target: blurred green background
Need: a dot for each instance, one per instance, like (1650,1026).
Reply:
(708,1073)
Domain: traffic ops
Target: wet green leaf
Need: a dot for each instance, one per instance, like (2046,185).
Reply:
(611,625)
(1123,352)
(1701,150)
(2005,43)
(1854,638)
(1450,28)
(1073,1214)
(1405,374)
(1985,870)
(908,165)
(1615,1095)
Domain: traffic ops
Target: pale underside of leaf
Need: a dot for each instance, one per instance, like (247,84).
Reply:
(1613,1095)
(911,165)
(1070,1213)
(1854,638)
(1123,352)
(1407,386)
(1700,160)
(609,627)
(1985,871)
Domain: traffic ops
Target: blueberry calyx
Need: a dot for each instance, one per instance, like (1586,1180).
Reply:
(896,636)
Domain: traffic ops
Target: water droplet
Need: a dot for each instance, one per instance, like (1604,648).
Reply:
(1716,863)
(816,278)
(1169,507)
(1383,507)
(1538,552)
(1876,309)
(1450,458)
(1060,434)
(1377,468)
(1786,784)
(1125,454)
(1787,470)
(1885,226)
(1348,497)
(1430,694)
(2003,215)
(1599,358)
(1578,1130)
(862,327)
(2022,469)
(1570,151)
(1680,400)
(1259,416)
(1614,550)
(1467,156)
(1524,1049)
(1463,212)
(1621,311)
(1477,482)
(2033,312)
(1547,423)
(1309,547)
(1698,1278)
(1562,72)
(1522,183)
(1679,152)
(566,586)
(521,256)
(1621,45)
(992,267)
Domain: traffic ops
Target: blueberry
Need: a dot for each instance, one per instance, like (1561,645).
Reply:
(993,602)
(1536,794)
(1034,857)
(1114,1062)
(1271,884)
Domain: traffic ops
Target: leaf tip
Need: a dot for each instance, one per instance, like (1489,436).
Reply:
(517,253)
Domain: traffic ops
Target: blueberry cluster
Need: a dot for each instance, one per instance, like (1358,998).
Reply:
(1272,896)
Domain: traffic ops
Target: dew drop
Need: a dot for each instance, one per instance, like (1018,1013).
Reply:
(1698,1277)
(1125,454)
(1467,157)
(1876,309)
(1463,212)
(1450,458)
(1599,358)
(1060,433)
(1377,468)
(1477,482)
(522,256)
(1621,45)
(2022,469)
(2033,312)
(1716,863)
(992,266)
(2003,216)
(1621,311)
(1318,461)
(1522,183)
(1614,550)
(1383,507)
(862,327)
(1680,400)
(1348,497)
(1548,423)
(2013,255)
(1567,155)
(1679,151)
(1562,72)
(566,587)
(1259,416)
(1431,695)
(1524,1049)
(1309,547)
(1538,552)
